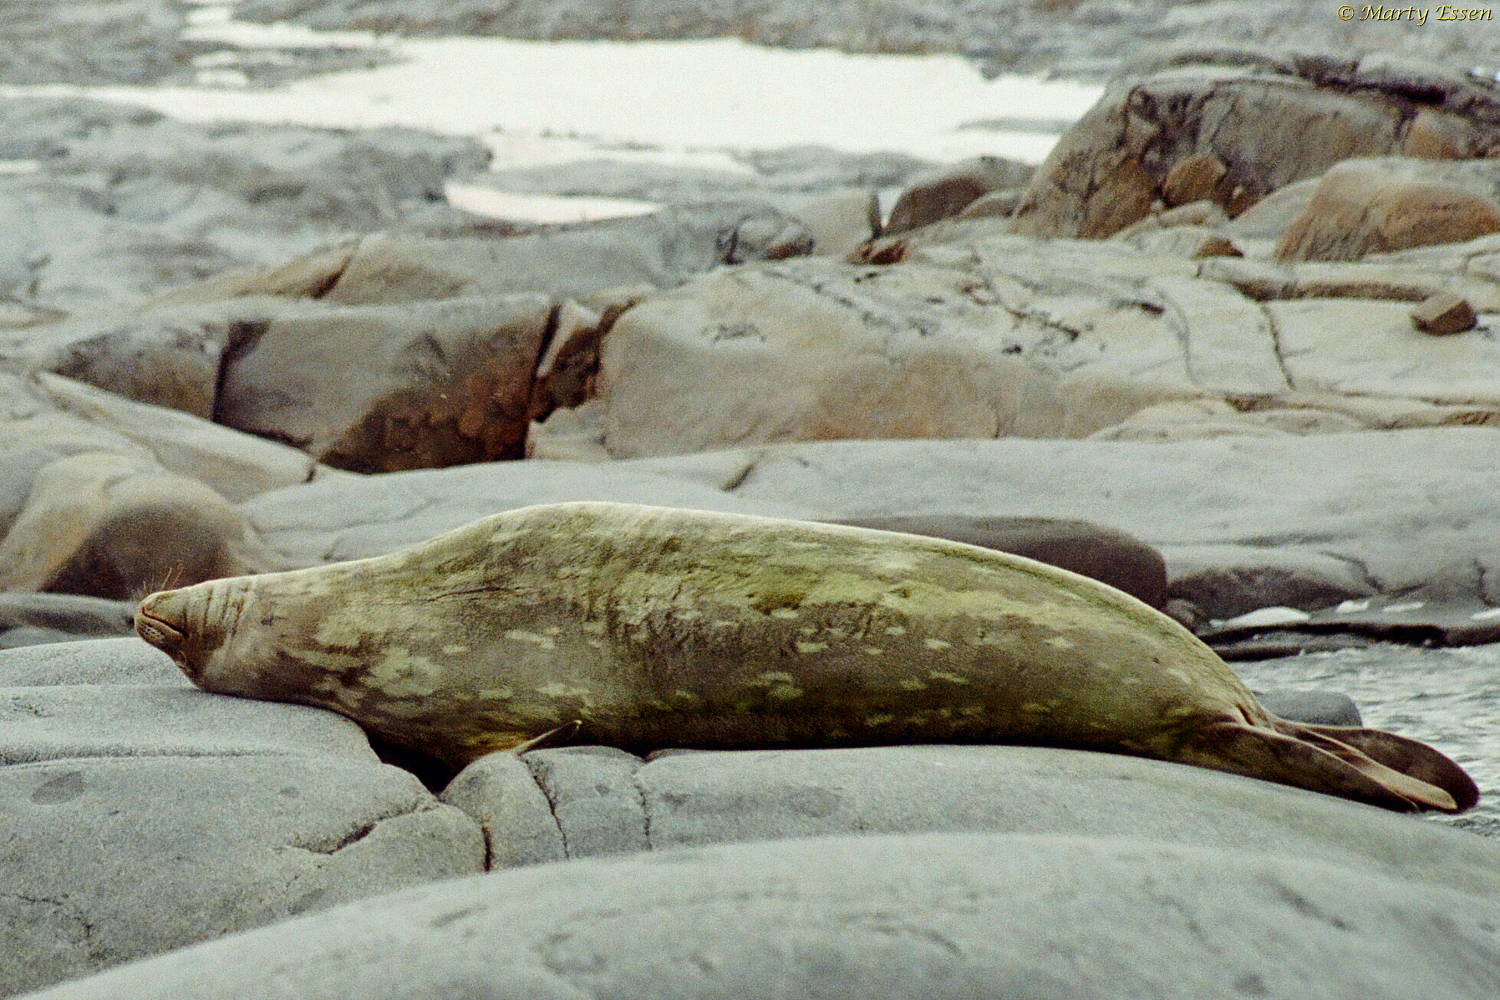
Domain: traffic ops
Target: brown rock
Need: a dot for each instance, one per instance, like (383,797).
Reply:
(385,388)
(1193,178)
(1267,122)
(1444,313)
(1197,213)
(1356,211)
(1438,135)
(996,203)
(946,193)
(565,374)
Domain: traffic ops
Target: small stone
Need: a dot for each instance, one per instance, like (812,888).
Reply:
(1444,313)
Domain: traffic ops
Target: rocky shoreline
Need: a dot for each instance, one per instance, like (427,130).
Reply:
(1232,347)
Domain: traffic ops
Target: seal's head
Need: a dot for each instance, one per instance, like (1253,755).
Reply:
(192,625)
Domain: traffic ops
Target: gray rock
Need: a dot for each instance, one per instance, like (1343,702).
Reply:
(390,387)
(104,525)
(93,661)
(1317,533)
(236,464)
(691,798)
(1318,708)
(128,203)
(350,518)
(500,792)
(63,614)
(107,860)
(596,804)
(661,250)
(941,916)
(1067,37)
(977,334)
(1093,550)
(123,720)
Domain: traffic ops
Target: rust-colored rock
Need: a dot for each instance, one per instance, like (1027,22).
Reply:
(1444,313)
(1355,212)
(1267,121)
(1194,178)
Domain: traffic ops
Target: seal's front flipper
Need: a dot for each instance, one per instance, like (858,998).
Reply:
(1417,760)
(551,738)
(1320,763)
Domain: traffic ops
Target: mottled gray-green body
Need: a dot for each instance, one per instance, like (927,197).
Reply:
(658,627)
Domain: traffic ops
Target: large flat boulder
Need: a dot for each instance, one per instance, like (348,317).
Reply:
(983,335)
(933,915)
(577,802)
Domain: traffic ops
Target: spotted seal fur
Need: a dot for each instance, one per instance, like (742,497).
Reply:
(659,627)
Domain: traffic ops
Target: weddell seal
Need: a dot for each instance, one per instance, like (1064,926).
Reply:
(656,627)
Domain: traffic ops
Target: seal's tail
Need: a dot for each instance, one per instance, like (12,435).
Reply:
(1367,765)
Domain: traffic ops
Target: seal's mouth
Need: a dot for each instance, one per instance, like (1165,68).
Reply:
(164,635)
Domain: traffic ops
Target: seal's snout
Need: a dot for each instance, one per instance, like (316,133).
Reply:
(162,620)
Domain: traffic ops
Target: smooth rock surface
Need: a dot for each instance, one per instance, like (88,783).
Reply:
(387,388)
(981,334)
(606,802)
(106,860)
(102,525)
(65,617)
(1231,543)
(1356,212)
(90,661)
(354,517)
(76,721)
(934,916)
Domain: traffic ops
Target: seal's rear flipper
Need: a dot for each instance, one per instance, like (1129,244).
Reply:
(1311,759)
(1417,760)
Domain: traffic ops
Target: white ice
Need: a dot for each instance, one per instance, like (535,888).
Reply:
(689,103)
